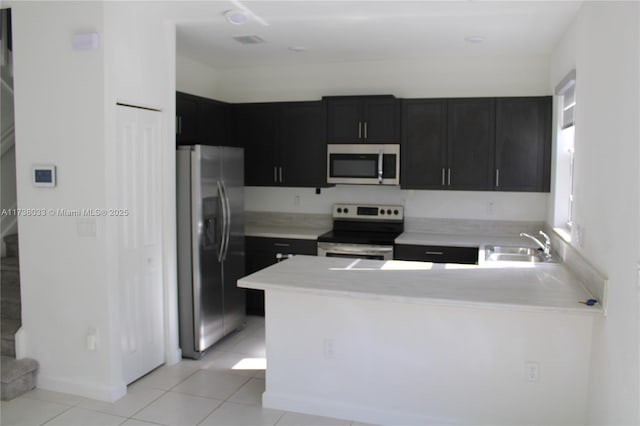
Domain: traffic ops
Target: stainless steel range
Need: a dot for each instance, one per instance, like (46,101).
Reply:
(365,231)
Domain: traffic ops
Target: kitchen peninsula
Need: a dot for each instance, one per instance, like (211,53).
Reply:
(396,342)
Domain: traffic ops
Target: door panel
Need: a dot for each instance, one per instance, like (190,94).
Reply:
(232,176)
(208,293)
(424,153)
(471,130)
(139,241)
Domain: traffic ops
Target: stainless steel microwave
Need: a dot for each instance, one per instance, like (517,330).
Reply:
(369,164)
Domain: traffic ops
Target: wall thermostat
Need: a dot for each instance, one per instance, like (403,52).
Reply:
(44,176)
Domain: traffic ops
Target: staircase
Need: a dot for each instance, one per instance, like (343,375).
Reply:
(18,375)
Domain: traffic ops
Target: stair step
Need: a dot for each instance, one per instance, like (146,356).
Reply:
(11,241)
(10,302)
(8,337)
(19,376)
(10,264)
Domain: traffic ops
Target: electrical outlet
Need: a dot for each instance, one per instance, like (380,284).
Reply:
(329,348)
(296,200)
(532,371)
(490,208)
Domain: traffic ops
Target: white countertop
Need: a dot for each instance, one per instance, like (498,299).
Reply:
(278,231)
(538,287)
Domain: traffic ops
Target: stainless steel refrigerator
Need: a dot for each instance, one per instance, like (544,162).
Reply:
(210,214)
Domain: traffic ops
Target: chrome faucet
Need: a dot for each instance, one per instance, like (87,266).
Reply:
(546,247)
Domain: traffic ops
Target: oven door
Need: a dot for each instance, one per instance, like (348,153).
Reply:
(357,251)
(363,164)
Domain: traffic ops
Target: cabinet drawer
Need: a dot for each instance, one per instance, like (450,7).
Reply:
(262,252)
(437,254)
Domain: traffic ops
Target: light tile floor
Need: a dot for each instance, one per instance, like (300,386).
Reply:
(224,387)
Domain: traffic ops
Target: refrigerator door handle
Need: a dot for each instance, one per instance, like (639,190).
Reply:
(223,211)
(227,231)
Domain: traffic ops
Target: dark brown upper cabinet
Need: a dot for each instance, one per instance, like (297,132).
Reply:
(363,119)
(423,161)
(285,143)
(523,144)
(202,121)
(470,144)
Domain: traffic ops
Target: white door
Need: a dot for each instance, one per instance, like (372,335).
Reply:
(139,240)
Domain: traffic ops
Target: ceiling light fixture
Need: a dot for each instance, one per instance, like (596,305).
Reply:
(298,49)
(474,39)
(249,13)
(236,17)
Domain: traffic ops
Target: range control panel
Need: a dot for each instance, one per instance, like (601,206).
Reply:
(368,212)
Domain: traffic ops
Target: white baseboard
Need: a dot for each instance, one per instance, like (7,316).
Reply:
(85,389)
(342,410)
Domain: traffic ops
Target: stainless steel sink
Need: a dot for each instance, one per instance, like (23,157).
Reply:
(513,254)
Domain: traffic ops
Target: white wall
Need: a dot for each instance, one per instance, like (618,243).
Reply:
(196,78)
(444,76)
(65,104)
(59,114)
(603,45)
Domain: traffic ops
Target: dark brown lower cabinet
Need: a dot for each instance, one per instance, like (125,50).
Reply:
(261,252)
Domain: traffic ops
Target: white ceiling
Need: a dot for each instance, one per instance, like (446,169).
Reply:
(345,31)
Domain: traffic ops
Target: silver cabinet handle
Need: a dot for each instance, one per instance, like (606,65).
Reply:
(438,253)
(359,129)
(275,174)
(282,256)
(449,176)
(280,173)
(179,125)
(365,129)
(497,178)
(281,244)
(443,176)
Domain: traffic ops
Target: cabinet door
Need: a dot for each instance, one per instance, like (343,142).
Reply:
(344,122)
(213,122)
(186,119)
(424,144)
(303,145)
(523,144)
(471,140)
(381,120)
(255,130)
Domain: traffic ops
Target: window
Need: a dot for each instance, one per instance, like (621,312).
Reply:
(564,184)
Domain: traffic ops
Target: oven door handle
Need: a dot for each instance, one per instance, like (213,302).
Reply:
(380,159)
(358,250)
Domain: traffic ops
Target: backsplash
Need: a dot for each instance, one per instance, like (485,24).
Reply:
(497,228)
(593,280)
(490,205)
(289,220)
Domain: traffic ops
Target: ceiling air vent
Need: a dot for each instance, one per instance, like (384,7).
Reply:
(249,39)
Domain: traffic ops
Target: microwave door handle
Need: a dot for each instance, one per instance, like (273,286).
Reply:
(380,158)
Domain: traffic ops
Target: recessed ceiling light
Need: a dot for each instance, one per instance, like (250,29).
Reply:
(236,17)
(298,48)
(474,39)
